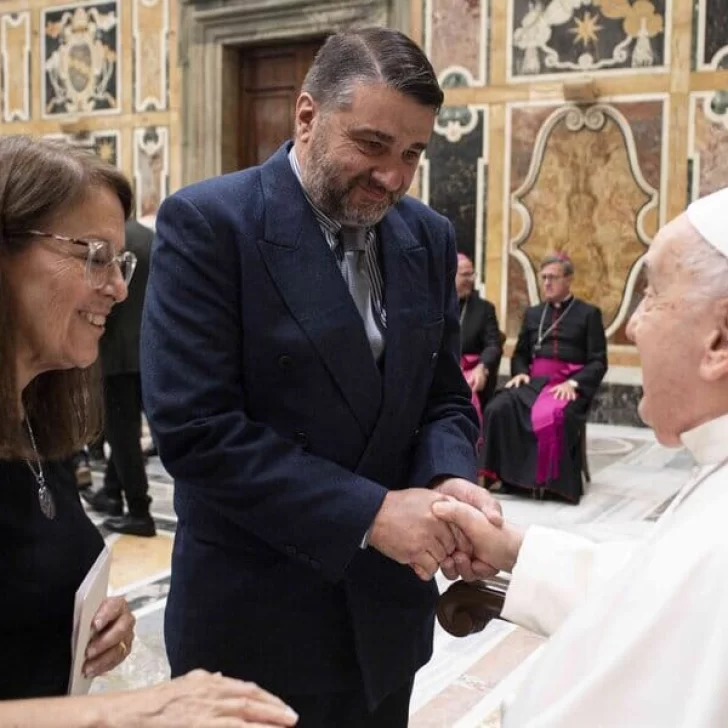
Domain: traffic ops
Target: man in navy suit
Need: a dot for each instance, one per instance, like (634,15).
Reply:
(301,376)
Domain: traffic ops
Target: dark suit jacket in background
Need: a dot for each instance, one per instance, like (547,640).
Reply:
(283,435)
(480,335)
(119,346)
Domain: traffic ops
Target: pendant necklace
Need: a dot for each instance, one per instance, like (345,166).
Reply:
(462,313)
(45,497)
(543,334)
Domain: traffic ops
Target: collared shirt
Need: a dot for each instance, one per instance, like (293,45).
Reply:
(331,230)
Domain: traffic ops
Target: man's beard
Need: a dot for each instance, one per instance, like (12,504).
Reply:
(323,180)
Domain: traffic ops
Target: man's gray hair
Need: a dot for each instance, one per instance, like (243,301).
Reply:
(567,267)
(371,56)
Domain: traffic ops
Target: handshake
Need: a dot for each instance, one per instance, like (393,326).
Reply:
(457,527)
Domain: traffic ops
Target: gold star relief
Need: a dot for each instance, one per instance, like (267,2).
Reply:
(586,30)
(106,151)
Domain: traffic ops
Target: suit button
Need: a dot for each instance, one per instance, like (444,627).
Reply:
(416,432)
(285,362)
(433,358)
(301,438)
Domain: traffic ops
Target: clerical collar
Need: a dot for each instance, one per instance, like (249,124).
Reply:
(560,304)
(333,226)
(708,443)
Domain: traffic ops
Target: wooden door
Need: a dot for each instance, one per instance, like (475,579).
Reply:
(270,79)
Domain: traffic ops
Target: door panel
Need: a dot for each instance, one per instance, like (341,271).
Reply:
(271,79)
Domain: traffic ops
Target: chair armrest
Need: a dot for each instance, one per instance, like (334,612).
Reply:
(466,608)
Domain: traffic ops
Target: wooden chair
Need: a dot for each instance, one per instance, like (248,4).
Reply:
(466,608)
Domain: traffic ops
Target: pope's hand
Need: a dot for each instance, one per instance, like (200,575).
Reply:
(462,563)
(495,545)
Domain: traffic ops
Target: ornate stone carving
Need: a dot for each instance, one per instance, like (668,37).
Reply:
(586,195)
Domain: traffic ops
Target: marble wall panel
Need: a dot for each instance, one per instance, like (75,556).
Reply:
(456,40)
(712,34)
(557,37)
(15,55)
(105,143)
(457,189)
(150,31)
(584,181)
(708,170)
(80,59)
(151,171)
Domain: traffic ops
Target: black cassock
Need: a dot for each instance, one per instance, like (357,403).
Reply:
(479,334)
(510,448)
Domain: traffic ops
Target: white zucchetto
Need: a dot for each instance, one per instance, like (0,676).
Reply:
(709,216)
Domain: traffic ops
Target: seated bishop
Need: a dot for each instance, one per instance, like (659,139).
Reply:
(532,427)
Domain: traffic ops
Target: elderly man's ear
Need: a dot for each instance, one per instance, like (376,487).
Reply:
(714,365)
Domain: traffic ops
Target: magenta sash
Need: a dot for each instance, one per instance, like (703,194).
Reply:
(547,416)
(468,362)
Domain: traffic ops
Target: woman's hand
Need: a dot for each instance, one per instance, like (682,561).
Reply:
(113,634)
(200,700)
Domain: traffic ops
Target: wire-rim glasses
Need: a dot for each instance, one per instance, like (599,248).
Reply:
(100,259)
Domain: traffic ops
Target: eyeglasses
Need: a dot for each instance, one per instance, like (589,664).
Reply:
(550,279)
(100,259)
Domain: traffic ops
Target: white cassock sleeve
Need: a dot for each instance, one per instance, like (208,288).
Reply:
(555,572)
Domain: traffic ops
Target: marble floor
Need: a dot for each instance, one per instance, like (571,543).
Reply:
(633,480)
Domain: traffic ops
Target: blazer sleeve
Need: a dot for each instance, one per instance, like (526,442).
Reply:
(493,348)
(590,377)
(521,359)
(303,506)
(449,426)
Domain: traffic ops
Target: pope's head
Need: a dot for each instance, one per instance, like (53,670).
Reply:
(681,326)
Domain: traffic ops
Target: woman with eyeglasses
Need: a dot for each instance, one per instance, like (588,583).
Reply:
(62,268)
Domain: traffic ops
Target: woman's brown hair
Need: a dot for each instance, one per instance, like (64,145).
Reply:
(40,178)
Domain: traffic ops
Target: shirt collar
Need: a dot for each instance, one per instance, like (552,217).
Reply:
(332,226)
(708,443)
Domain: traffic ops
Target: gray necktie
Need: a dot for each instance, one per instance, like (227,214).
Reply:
(356,274)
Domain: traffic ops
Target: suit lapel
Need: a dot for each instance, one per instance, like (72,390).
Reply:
(307,276)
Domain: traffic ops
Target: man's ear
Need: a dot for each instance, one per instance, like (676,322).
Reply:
(306,111)
(714,365)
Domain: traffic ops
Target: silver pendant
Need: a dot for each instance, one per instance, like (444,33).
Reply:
(47,504)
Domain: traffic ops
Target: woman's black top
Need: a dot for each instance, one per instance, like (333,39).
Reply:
(42,564)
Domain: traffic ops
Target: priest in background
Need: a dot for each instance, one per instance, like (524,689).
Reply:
(481,344)
(641,634)
(532,428)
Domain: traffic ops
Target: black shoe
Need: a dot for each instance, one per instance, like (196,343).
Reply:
(132,525)
(101,502)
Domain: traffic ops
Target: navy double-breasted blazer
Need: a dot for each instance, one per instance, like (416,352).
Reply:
(283,435)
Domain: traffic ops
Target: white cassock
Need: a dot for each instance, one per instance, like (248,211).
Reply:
(642,636)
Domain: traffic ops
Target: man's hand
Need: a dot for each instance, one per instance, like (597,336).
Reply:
(565,390)
(498,546)
(462,562)
(478,378)
(406,530)
(518,380)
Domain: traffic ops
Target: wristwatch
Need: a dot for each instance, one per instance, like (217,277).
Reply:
(573,383)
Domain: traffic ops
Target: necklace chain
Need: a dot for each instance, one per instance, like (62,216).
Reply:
(543,334)
(40,475)
(45,497)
